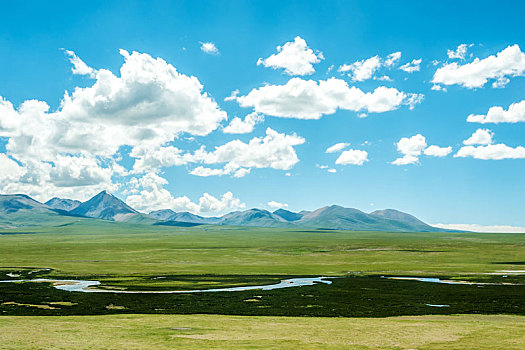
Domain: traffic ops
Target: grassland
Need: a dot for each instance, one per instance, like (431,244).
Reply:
(225,332)
(352,309)
(116,249)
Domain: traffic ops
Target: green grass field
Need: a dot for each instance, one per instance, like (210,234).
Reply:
(107,248)
(225,332)
(132,257)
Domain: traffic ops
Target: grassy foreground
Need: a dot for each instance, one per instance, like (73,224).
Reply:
(214,331)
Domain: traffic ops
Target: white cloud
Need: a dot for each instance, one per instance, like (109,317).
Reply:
(392,59)
(406,159)
(412,147)
(337,147)
(437,151)
(274,151)
(411,67)
(480,137)
(239,126)
(235,172)
(482,228)
(459,53)
(362,70)
(295,57)
(233,96)
(438,88)
(384,78)
(69,171)
(277,205)
(492,152)
(72,151)
(352,156)
(153,196)
(147,159)
(514,114)
(365,69)
(509,62)
(308,99)
(332,171)
(209,48)
(9,169)
(79,67)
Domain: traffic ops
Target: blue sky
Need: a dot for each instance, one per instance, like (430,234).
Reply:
(336,40)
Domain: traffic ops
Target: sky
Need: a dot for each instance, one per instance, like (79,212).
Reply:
(210,107)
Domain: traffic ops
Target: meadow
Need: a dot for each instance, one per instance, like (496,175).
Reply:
(96,247)
(229,332)
(360,309)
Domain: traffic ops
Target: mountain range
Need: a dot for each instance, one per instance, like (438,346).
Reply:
(21,210)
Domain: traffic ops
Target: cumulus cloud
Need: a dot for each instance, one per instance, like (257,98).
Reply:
(352,156)
(438,88)
(480,146)
(406,159)
(337,147)
(437,151)
(308,99)
(362,70)
(365,69)
(277,205)
(412,147)
(480,137)
(209,48)
(492,151)
(239,126)
(459,53)
(72,151)
(295,57)
(275,151)
(151,195)
(514,114)
(9,169)
(392,59)
(79,67)
(412,66)
(507,63)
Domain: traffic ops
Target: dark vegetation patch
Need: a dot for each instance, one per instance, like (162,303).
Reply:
(17,233)
(354,296)
(509,263)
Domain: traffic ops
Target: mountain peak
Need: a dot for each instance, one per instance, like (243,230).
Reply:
(288,215)
(105,206)
(63,204)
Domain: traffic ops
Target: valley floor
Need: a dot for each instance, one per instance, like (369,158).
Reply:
(259,332)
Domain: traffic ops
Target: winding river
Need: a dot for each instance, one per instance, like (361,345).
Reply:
(88,286)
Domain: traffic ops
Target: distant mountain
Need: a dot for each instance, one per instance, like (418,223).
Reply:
(170,215)
(288,215)
(331,217)
(19,210)
(108,207)
(337,217)
(63,204)
(164,214)
(404,218)
(254,217)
